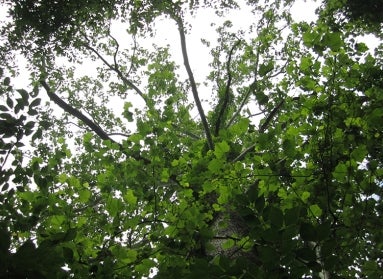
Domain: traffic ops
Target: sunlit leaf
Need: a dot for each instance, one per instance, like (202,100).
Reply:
(315,210)
(84,195)
(130,198)
(221,149)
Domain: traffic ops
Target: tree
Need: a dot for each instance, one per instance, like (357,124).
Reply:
(279,176)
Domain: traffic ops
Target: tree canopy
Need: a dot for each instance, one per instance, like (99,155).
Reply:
(269,167)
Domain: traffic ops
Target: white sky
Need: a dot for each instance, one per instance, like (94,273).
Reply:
(167,34)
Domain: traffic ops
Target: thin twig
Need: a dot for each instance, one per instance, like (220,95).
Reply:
(116,69)
(7,156)
(133,56)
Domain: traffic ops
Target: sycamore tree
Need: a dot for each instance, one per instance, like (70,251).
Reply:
(269,167)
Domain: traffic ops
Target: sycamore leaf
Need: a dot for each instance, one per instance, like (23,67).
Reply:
(276,216)
(165,175)
(113,206)
(130,198)
(316,210)
(228,244)
(221,149)
(84,195)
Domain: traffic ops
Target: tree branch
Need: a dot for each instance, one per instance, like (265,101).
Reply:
(271,115)
(252,88)
(115,68)
(226,97)
(92,125)
(76,113)
(192,81)
(185,132)
(262,129)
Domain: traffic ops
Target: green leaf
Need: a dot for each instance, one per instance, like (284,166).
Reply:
(221,149)
(306,63)
(113,206)
(333,40)
(145,266)
(289,146)
(228,244)
(130,198)
(215,165)
(268,256)
(5,187)
(361,47)
(127,113)
(310,38)
(359,153)
(165,175)
(33,112)
(26,251)
(6,81)
(305,196)
(241,127)
(87,137)
(315,210)
(271,235)
(292,215)
(84,195)
(35,102)
(276,217)
(136,138)
(68,254)
(57,220)
(260,204)
(265,68)
(131,256)
(150,208)
(308,232)
(70,234)
(323,231)
(308,83)
(37,135)
(306,254)
(24,95)
(340,173)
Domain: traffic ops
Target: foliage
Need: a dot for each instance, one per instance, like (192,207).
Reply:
(366,15)
(279,176)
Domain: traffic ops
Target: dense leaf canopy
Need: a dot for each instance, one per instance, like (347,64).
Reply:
(269,167)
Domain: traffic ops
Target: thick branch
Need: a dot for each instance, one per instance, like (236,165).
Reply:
(192,81)
(92,125)
(76,113)
(265,125)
